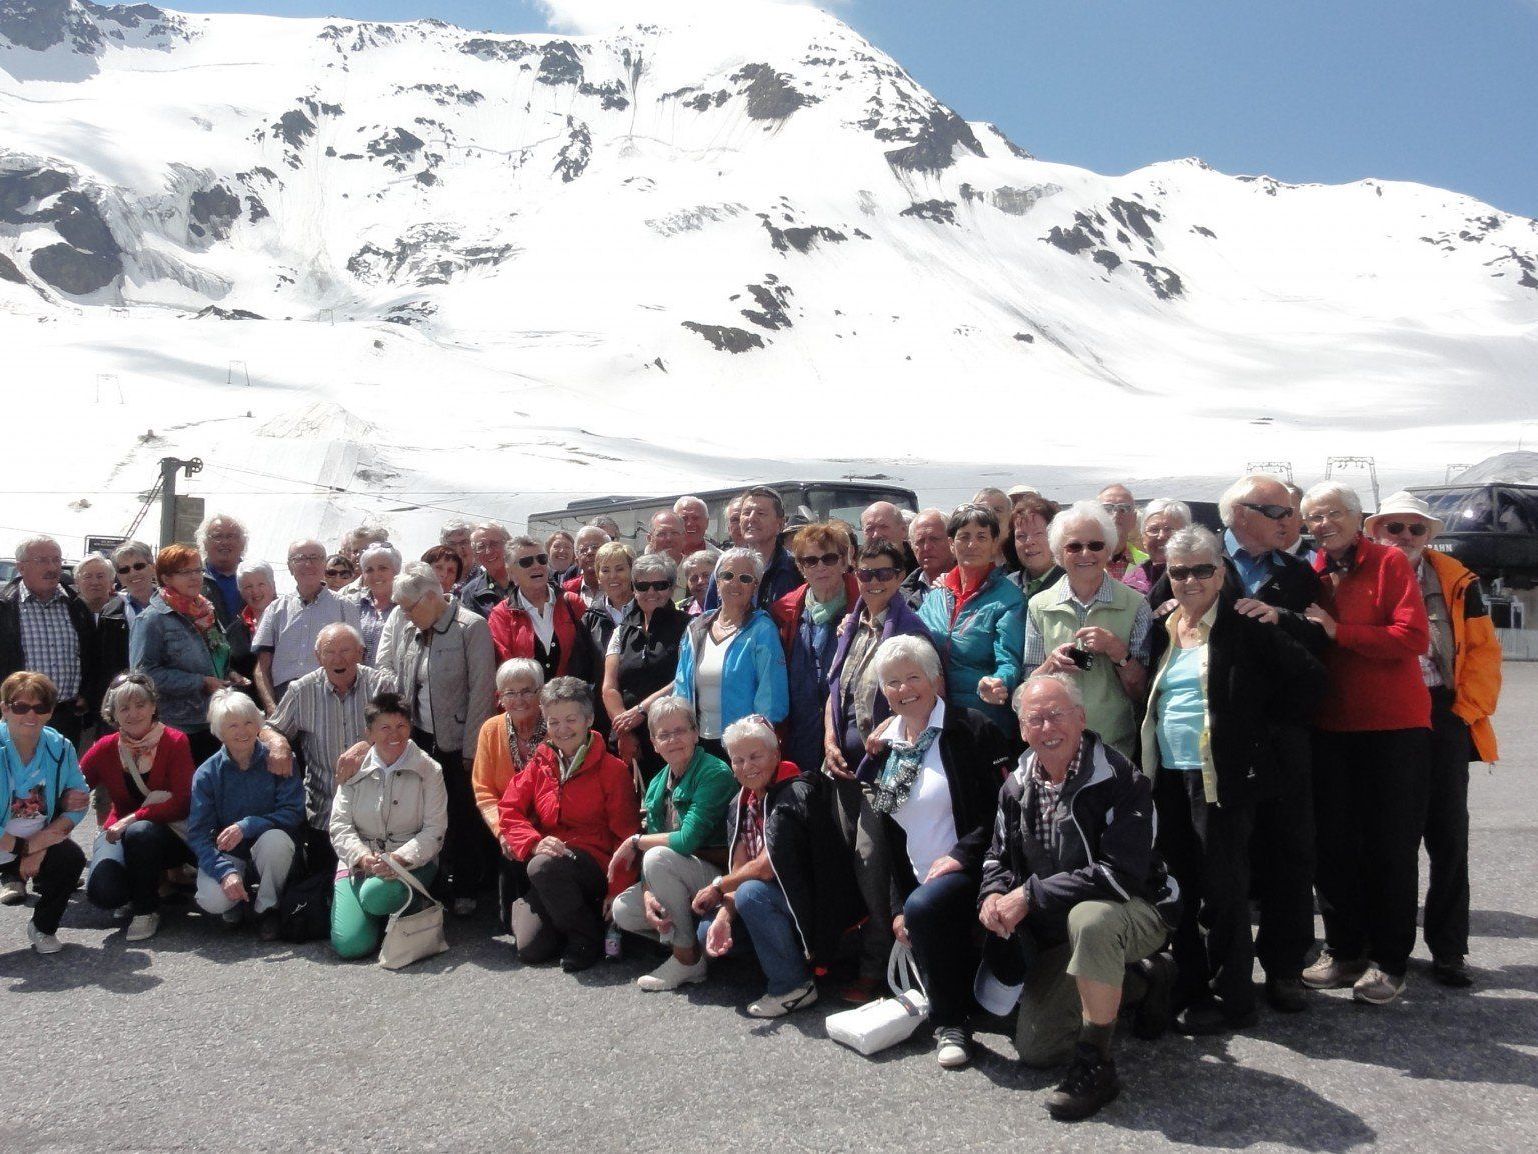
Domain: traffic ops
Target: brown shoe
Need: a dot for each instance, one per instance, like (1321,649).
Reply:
(860,991)
(1332,973)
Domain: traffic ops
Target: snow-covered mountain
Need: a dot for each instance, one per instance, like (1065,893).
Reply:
(400,269)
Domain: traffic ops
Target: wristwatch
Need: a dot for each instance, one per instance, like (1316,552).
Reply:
(1122,664)
(716,885)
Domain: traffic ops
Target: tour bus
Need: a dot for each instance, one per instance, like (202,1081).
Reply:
(1493,529)
(805,502)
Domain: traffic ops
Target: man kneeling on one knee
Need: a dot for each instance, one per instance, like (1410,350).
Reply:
(1073,894)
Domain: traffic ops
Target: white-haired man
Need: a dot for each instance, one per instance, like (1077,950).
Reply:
(695,515)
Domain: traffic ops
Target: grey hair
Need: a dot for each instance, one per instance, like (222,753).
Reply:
(380,549)
(134,686)
(301,542)
(1345,494)
(340,627)
(371,531)
(706,557)
(491,527)
(1081,511)
(563,689)
(1241,489)
(923,514)
(457,525)
(906,647)
(207,527)
(1167,507)
(415,581)
(740,554)
(1069,684)
(228,703)
(26,546)
(523,541)
(664,707)
(689,502)
(592,528)
(750,728)
(519,668)
(252,568)
(94,559)
(129,550)
(654,563)
(1195,541)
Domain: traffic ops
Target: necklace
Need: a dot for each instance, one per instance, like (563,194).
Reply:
(721,629)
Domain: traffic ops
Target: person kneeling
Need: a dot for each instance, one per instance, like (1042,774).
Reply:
(396,808)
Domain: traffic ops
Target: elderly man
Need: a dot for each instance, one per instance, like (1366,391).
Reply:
(695,515)
(1295,543)
(666,535)
(1462,668)
(589,539)
(359,539)
(45,628)
(1073,894)
(1117,500)
(286,635)
(223,541)
(483,588)
(323,710)
(734,536)
(930,545)
(761,522)
(883,521)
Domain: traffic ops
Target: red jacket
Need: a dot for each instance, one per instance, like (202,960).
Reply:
(593,811)
(574,585)
(512,632)
(171,770)
(1381,632)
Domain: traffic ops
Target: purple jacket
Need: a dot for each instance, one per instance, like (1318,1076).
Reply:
(900,621)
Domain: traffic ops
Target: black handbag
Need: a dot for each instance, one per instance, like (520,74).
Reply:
(304,910)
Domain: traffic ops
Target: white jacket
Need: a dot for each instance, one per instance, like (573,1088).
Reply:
(405,812)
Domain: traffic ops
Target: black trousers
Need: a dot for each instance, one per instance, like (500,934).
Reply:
(1207,850)
(1446,922)
(319,853)
(203,744)
(1282,859)
(512,884)
(470,853)
(56,879)
(562,911)
(1369,815)
(149,849)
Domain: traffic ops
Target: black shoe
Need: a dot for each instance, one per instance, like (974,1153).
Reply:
(579,960)
(267,926)
(1203,1018)
(1451,972)
(1287,995)
(1152,1017)
(1089,1085)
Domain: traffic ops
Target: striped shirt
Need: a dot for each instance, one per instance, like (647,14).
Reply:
(49,643)
(326,724)
(371,622)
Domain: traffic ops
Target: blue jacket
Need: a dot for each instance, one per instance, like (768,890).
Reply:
(752,674)
(901,621)
(988,640)
(168,648)
(254,799)
(60,770)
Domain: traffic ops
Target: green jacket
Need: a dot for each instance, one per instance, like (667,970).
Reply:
(700,797)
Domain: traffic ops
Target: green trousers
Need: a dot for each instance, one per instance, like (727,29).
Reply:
(361,906)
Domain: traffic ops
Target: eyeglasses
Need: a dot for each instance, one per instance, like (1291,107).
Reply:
(866,576)
(813,560)
(306,559)
(338,572)
(1051,717)
(651,586)
(136,567)
(1415,528)
(532,560)
(22,708)
(668,735)
(519,694)
(1273,512)
(1083,546)
(1116,507)
(1324,515)
(1185,572)
(745,578)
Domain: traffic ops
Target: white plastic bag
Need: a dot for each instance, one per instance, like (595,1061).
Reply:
(874,1026)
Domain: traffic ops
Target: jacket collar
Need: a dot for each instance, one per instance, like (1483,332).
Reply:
(413,760)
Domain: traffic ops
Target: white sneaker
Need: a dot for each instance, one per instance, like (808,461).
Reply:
(13,891)
(41,942)
(142,927)
(778,1005)
(671,974)
(954,1047)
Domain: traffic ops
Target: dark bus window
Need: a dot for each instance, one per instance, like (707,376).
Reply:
(1517,511)
(1462,510)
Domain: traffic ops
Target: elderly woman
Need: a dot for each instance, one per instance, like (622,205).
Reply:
(731,662)
(258,589)
(177,641)
(562,548)
(698,567)
(145,768)
(340,572)
(244,819)
(1033,514)
(935,786)
(1092,626)
(1372,751)
(1224,685)
(135,565)
(538,619)
(378,567)
(448,564)
(442,657)
(604,613)
(46,796)
(506,744)
(93,582)
(642,660)
(788,892)
(681,845)
(563,817)
(394,808)
(973,616)
(1160,519)
(809,618)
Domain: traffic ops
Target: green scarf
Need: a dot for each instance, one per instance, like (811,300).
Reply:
(824,612)
(567,770)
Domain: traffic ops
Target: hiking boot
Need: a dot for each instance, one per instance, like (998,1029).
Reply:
(778,1005)
(1377,988)
(672,974)
(142,927)
(1286,995)
(1089,1085)
(1152,1016)
(1332,973)
(955,1047)
(1451,972)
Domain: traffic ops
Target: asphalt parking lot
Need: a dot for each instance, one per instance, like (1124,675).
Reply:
(211,1040)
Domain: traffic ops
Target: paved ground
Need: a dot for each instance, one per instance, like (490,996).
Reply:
(207,1041)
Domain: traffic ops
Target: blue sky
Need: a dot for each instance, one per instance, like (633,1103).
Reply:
(1437,91)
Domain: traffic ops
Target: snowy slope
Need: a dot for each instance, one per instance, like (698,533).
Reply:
(485,273)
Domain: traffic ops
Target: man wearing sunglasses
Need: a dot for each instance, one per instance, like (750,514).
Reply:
(45,628)
(1462,668)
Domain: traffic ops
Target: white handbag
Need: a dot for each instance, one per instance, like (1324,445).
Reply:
(874,1026)
(411,937)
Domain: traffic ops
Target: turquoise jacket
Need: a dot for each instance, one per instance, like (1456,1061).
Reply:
(700,797)
(752,674)
(987,640)
(60,771)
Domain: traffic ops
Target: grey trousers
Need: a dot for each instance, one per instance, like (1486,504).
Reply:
(863,834)
(272,855)
(674,878)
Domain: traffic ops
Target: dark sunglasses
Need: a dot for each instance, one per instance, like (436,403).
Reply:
(1272,512)
(1182,572)
(1081,546)
(812,561)
(866,576)
(745,578)
(651,586)
(1397,527)
(529,562)
(338,572)
(22,708)
(136,567)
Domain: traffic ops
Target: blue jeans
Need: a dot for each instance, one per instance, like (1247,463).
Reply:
(765,926)
(941,917)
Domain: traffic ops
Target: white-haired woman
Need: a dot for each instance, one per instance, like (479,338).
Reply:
(258,589)
(936,786)
(731,662)
(1092,626)
(1160,519)
(642,660)
(244,820)
(698,568)
(681,846)
(378,566)
(506,745)
(1371,751)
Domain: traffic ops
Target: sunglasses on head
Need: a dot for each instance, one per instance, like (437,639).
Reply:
(1183,572)
(1082,546)
(1397,527)
(1272,512)
(136,567)
(651,586)
(866,576)
(811,561)
(22,708)
(531,561)
(745,578)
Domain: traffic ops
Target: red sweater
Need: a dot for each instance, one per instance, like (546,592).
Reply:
(1381,631)
(171,770)
(512,632)
(593,811)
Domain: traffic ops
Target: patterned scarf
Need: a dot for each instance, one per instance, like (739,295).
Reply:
(901,771)
(200,611)
(516,747)
(138,756)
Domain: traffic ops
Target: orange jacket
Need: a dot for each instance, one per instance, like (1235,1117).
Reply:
(1476,651)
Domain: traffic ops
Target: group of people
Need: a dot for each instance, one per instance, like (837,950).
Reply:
(1056,752)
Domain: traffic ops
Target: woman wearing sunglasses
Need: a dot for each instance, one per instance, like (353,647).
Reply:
(1224,686)
(731,662)
(642,660)
(340,572)
(135,565)
(537,618)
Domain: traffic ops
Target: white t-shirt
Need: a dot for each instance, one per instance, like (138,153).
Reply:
(926,816)
(707,685)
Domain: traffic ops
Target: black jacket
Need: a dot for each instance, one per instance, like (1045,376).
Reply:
(242,660)
(913,590)
(110,642)
(976,758)
(12,660)
(648,659)
(1292,589)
